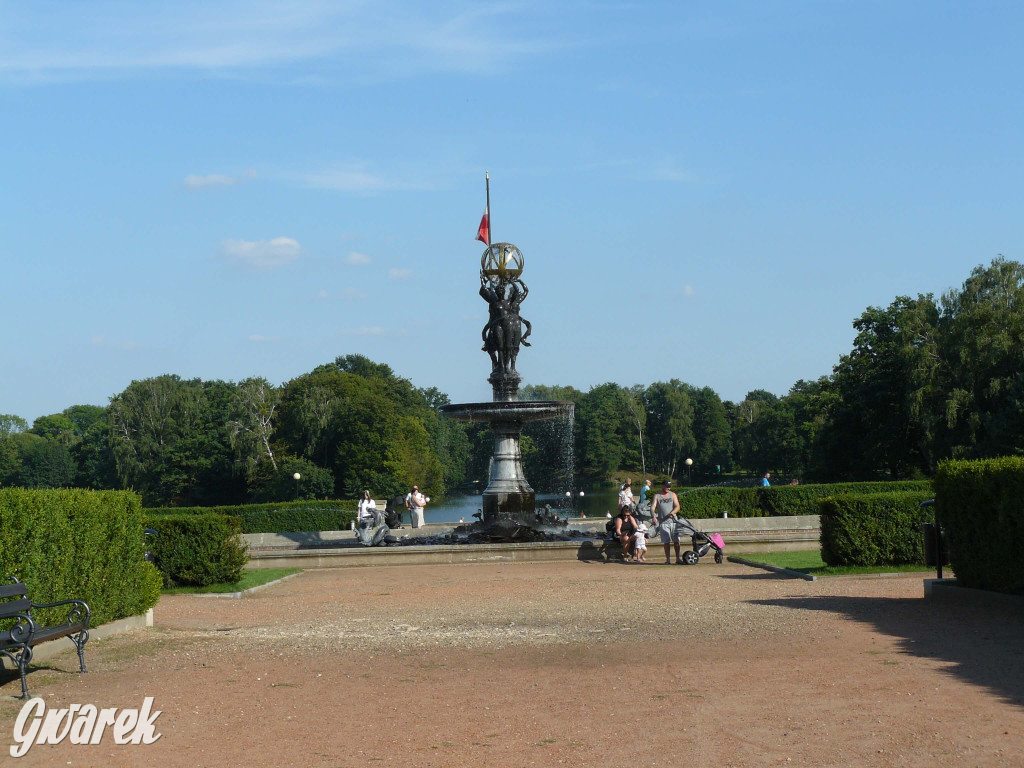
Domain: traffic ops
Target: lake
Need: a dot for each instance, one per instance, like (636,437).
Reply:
(462,506)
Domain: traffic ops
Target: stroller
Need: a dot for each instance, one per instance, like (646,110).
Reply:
(702,543)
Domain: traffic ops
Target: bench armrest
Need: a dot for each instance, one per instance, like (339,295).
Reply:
(21,631)
(80,613)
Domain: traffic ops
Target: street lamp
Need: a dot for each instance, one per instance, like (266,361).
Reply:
(297,477)
(689,480)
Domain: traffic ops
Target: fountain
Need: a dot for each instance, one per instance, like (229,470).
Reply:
(508,501)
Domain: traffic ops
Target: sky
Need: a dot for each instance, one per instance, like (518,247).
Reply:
(705,191)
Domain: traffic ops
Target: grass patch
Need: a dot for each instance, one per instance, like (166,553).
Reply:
(810,562)
(249,580)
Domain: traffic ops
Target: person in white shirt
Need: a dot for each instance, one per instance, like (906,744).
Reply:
(640,544)
(417,501)
(626,494)
(367,509)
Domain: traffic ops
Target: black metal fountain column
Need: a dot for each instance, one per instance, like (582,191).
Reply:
(508,495)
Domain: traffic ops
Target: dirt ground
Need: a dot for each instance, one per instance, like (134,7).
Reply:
(560,663)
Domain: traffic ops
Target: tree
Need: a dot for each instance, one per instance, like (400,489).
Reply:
(983,325)
(670,425)
(170,441)
(10,460)
(45,464)
(251,424)
(889,392)
(603,430)
(711,430)
(633,399)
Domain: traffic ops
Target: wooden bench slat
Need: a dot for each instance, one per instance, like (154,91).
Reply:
(14,606)
(13,590)
(52,633)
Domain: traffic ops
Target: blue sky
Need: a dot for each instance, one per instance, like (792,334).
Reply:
(708,191)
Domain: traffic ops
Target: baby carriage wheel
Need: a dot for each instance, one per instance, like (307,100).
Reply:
(719,557)
(690,557)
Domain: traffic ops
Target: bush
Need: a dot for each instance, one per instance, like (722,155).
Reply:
(279,517)
(780,501)
(75,543)
(198,550)
(981,506)
(873,529)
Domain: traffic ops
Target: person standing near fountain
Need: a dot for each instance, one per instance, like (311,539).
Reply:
(417,501)
(665,508)
(626,495)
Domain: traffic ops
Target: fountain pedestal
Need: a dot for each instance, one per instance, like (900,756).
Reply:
(508,495)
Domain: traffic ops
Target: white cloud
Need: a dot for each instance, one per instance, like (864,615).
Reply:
(352,42)
(322,294)
(99,340)
(668,170)
(399,274)
(347,181)
(688,291)
(194,181)
(260,339)
(354,293)
(357,258)
(262,254)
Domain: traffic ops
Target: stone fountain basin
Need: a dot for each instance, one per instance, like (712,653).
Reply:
(508,412)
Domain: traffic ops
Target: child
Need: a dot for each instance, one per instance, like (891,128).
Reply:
(640,544)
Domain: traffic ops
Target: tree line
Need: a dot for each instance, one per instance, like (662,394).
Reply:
(926,379)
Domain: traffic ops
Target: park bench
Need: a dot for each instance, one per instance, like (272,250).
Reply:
(20,632)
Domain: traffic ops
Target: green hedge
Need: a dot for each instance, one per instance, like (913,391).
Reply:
(198,549)
(873,529)
(981,506)
(74,543)
(780,501)
(279,517)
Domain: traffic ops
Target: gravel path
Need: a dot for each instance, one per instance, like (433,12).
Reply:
(558,663)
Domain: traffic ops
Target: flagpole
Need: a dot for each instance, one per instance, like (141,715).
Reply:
(490,226)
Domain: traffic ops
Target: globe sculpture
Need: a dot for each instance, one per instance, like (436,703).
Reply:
(508,496)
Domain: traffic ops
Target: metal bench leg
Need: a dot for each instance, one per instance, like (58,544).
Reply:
(80,640)
(23,659)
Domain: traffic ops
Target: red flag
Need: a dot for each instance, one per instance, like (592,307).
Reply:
(483,232)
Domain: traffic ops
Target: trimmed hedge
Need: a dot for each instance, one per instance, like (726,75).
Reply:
(278,517)
(981,506)
(75,543)
(198,549)
(783,500)
(873,529)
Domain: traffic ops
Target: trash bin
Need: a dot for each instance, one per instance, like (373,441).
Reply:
(928,529)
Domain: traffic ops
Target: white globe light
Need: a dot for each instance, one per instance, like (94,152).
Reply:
(689,462)
(297,476)
(581,493)
(568,494)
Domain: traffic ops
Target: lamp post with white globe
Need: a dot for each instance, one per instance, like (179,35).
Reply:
(297,477)
(689,479)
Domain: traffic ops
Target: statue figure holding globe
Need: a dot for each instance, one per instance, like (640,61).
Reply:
(504,291)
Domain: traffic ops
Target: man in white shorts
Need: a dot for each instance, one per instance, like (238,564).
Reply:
(664,510)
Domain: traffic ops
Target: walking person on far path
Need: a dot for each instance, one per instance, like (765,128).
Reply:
(664,510)
(764,480)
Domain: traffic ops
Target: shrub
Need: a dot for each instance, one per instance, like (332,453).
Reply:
(981,506)
(780,501)
(74,543)
(279,517)
(198,550)
(873,529)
